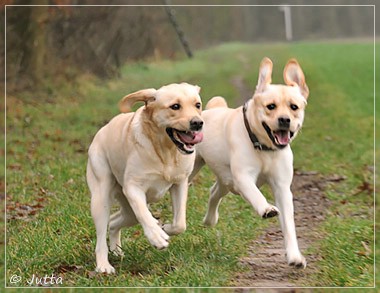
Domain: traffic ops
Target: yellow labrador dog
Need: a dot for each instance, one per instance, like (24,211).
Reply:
(249,146)
(136,158)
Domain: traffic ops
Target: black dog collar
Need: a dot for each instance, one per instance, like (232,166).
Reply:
(256,143)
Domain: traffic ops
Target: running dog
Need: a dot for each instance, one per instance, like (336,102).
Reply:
(136,158)
(250,145)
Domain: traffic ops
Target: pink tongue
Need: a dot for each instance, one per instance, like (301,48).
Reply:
(283,137)
(191,137)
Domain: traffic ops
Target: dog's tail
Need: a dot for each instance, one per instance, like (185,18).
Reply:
(216,102)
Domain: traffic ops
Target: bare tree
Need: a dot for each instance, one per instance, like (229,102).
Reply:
(34,49)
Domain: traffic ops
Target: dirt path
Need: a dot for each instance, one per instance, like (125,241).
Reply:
(265,261)
(244,92)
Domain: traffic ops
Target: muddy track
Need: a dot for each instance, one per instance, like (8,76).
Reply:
(265,261)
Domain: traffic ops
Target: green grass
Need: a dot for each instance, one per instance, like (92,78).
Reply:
(340,141)
(47,140)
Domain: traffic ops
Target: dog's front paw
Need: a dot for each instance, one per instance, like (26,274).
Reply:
(270,212)
(298,262)
(105,268)
(157,237)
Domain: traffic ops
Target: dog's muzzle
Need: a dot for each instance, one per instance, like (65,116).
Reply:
(282,136)
(186,140)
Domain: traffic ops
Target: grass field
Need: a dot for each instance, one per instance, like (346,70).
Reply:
(49,226)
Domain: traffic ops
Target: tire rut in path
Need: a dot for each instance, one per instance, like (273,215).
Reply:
(265,261)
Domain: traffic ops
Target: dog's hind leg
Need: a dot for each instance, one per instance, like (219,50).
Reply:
(122,218)
(218,190)
(117,221)
(100,187)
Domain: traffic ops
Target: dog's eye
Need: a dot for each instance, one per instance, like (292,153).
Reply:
(175,107)
(271,106)
(198,105)
(293,107)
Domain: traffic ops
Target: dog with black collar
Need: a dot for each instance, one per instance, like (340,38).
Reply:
(249,146)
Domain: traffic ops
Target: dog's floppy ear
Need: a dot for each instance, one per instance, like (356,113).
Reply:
(265,74)
(126,103)
(293,75)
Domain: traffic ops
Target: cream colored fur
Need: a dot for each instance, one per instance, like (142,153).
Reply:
(242,169)
(134,160)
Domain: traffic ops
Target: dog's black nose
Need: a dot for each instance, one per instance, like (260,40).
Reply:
(196,124)
(284,122)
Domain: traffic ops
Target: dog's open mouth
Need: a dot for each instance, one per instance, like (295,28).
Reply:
(282,137)
(185,140)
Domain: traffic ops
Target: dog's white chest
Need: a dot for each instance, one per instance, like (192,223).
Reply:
(157,191)
(174,177)
(160,184)
(176,172)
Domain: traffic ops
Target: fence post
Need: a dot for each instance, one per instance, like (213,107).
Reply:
(288,21)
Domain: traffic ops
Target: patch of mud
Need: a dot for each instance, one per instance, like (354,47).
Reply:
(265,262)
